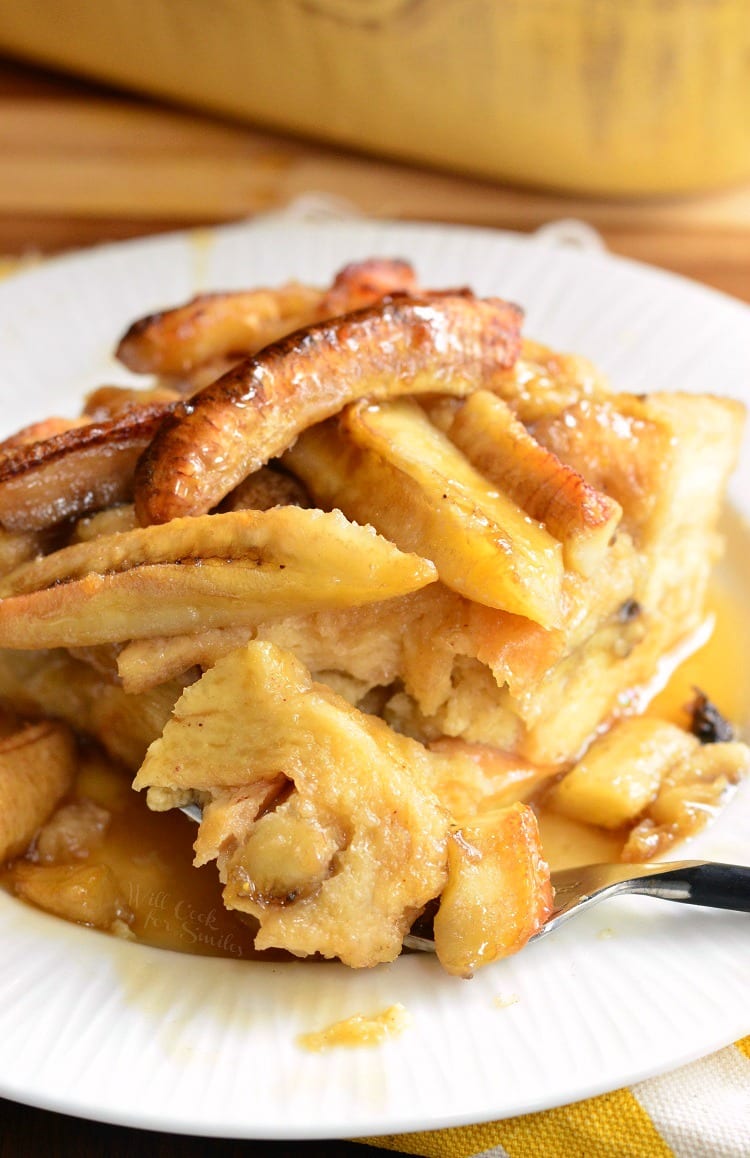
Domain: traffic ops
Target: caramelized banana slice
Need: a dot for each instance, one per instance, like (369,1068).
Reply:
(452,343)
(690,794)
(212,326)
(225,325)
(107,402)
(386,464)
(76,471)
(361,283)
(580,517)
(664,775)
(279,537)
(37,766)
(87,894)
(620,774)
(217,571)
(39,432)
(53,683)
(498,892)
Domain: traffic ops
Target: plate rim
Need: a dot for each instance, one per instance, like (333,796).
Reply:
(153,243)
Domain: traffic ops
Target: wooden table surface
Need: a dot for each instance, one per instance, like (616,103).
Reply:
(80,164)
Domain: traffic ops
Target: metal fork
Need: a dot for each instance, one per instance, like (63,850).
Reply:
(692,882)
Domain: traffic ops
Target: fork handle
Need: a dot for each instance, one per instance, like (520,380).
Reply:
(714,885)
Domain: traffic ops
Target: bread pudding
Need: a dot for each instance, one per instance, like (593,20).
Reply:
(368,576)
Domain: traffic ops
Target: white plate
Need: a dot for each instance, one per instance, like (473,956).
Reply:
(123,1033)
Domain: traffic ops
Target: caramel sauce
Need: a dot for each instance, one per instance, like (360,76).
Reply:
(361,1029)
(175,905)
(179,907)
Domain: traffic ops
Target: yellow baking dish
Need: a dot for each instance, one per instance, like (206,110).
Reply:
(599,96)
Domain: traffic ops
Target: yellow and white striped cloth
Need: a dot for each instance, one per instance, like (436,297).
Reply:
(701,1110)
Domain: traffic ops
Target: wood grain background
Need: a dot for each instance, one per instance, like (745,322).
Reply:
(81,164)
